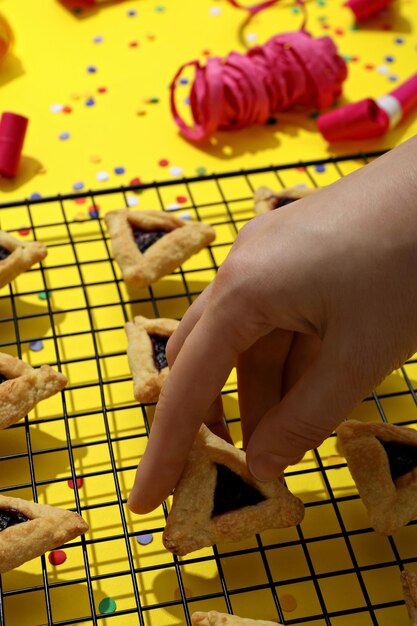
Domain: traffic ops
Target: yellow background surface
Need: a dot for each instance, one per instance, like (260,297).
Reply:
(333,564)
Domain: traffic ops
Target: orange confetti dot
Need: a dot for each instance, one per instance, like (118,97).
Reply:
(288,602)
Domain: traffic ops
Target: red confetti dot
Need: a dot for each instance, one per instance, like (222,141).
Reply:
(163,162)
(325,26)
(182,199)
(369,66)
(24,231)
(135,181)
(80,200)
(133,44)
(206,53)
(67,109)
(79,481)
(339,31)
(57,557)
(301,168)
(354,58)
(102,89)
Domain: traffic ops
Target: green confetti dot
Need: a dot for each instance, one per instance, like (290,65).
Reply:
(295,9)
(154,99)
(321,3)
(354,27)
(159,8)
(201,171)
(107,605)
(43,295)
(322,18)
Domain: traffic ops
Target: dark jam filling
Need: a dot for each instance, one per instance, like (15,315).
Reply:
(144,239)
(4,253)
(159,344)
(2,378)
(402,458)
(232,493)
(278,202)
(10,517)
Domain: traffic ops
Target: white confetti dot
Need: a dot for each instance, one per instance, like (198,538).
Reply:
(215,10)
(56,108)
(132,201)
(102,176)
(175,170)
(382,69)
(185,215)
(172,207)
(251,37)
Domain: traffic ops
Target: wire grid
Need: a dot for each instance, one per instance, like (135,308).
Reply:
(333,564)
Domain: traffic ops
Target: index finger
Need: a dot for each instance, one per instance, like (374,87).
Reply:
(197,377)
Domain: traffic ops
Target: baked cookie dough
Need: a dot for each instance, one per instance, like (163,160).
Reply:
(213,618)
(28,530)
(382,459)
(147,339)
(217,499)
(266,199)
(148,245)
(17,256)
(22,387)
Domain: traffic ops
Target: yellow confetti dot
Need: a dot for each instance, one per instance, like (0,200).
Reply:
(95,158)
(141,112)
(75,96)
(288,602)
(81,217)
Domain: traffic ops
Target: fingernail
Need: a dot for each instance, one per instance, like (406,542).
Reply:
(267,466)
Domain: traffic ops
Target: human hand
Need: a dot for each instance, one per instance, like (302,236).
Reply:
(315,305)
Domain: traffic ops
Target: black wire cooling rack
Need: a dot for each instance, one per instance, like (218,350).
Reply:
(80,450)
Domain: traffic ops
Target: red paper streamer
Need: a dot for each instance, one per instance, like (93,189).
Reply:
(289,70)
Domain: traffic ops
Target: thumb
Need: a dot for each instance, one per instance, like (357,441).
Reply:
(307,414)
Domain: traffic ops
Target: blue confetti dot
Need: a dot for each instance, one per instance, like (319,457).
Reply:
(389,58)
(98,39)
(184,81)
(320,168)
(144,539)
(35,196)
(399,40)
(187,100)
(92,69)
(93,213)
(90,102)
(131,13)
(64,136)
(78,185)
(119,170)
(393,78)
(36,346)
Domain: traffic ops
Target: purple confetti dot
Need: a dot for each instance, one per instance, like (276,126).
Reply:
(184,81)
(393,78)
(78,185)
(144,539)
(35,196)
(90,102)
(98,39)
(91,69)
(389,58)
(131,13)
(64,136)
(399,40)
(36,346)
(320,168)
(119,170)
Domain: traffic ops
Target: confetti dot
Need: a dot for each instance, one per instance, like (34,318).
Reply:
(369,66)
(67,109)
(393,78)
(79,482)
(295,10)
(102,89)
(186,100)
(160,8)
(251,37)
(56,108)
(183,81)
(132,201)
(80,217)
(107,605)
(64,136)
(102,176)
(90,102)
(320,168)
(133,44)
(98,39)
(95,158)
(78,185)
(175,170)
(119,170)
(185,215)
(131,13)
(339,31)
(288,602)
(94,211)
(35,196)
(382,69)
(163,162)
(80,200)
(182,199)
(91,69)
(215,10)
(43,295)
(57,557)
(153,100)
(36,346)
(144,539)
(399,40)
(135,181)
(141,112)
(389,58)
(300,168)
(24,231)
(172,207)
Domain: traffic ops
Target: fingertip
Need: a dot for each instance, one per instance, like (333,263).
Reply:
(267,466)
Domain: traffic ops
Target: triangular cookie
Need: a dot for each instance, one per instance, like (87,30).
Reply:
(213,618)
(203,514)
(147,339)
(22,387)
(28,530)
(268,200)
(409,583)
(17,256)
(150,244)
(382,459)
